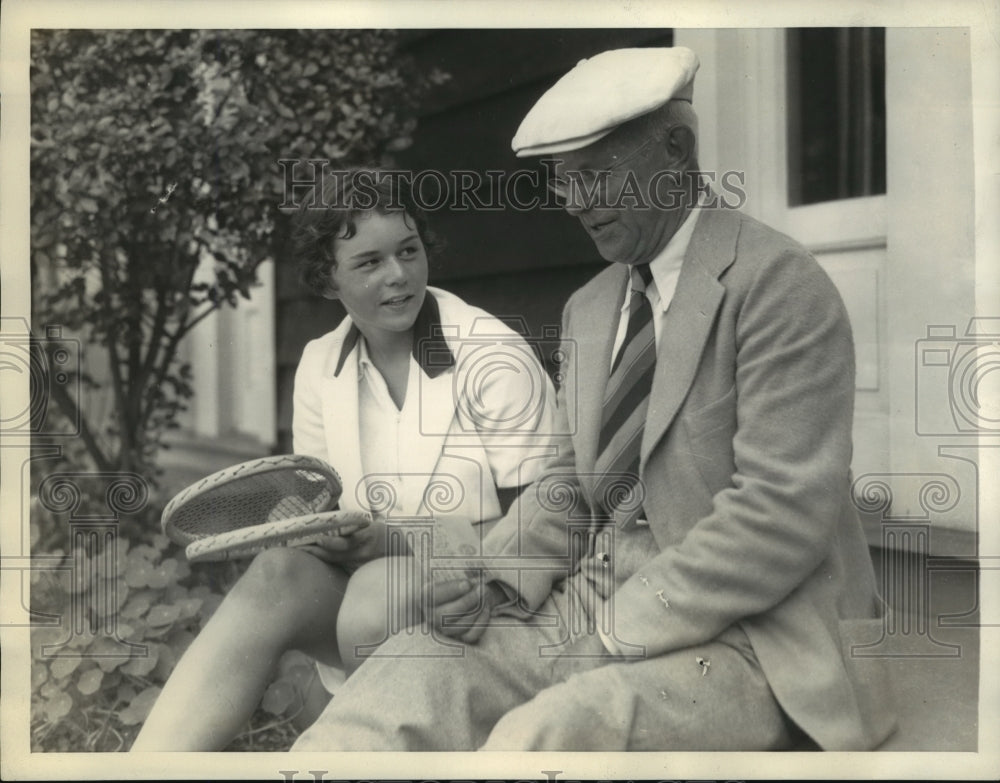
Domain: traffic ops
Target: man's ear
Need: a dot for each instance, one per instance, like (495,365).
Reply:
(680,146)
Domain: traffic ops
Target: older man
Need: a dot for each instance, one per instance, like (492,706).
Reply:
(691,574)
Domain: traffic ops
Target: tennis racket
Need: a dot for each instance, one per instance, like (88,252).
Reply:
(286,500)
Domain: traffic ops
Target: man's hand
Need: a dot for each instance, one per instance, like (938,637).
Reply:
(353,549)
(460,605)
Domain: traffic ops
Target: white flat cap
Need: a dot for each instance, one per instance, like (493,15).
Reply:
(601,93)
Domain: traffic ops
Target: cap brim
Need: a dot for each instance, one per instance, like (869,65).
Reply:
(567,145)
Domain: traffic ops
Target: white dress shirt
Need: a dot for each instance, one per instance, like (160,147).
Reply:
(666,269)
(387,431)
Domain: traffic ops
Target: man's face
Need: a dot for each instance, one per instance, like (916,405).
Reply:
(626,229)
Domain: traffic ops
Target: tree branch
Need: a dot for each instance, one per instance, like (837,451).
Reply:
(185,328)
(117,383)
(72,411)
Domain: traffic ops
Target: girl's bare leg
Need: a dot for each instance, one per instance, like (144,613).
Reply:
(379,597)
(287,599)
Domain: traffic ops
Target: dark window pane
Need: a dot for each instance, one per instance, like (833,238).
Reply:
(836,113)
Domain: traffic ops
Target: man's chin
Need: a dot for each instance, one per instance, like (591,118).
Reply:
(611,249)
(611,256)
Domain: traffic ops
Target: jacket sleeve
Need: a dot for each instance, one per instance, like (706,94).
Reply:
(534,537)
(773,526)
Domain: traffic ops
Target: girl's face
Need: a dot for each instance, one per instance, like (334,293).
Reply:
(381,274)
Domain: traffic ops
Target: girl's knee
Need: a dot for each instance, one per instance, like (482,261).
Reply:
(363,610)
(280,574)
(373,604)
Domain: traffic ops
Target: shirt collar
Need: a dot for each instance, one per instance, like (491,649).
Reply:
(668,261)
(430,349)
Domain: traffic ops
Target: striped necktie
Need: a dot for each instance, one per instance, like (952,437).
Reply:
(624,409)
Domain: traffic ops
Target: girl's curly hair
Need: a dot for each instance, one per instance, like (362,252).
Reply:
(332,210)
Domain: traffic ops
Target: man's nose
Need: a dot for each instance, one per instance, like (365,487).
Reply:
(575,202)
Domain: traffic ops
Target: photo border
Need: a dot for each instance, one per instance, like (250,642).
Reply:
(18,17)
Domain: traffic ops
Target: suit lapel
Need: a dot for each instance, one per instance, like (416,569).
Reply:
(689,320)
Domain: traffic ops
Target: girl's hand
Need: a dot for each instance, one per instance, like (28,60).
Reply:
(353,549)
(460,607)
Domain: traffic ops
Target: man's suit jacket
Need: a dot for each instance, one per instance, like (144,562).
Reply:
(745,463)
(461,451)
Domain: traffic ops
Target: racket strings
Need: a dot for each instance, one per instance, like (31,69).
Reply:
(255,499)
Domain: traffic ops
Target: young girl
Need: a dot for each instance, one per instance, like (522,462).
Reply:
(427,407)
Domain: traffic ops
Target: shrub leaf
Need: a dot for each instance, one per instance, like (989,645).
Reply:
(90,681)
(137,711)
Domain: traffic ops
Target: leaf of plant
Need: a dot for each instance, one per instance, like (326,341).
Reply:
(160,615)
(160,541)
(42,635)
(90,681)
(279,696)
(125,693)
(141,666)
(122,556)
(166,660)
(162,575)
(137,606)
(138,571)
(117,588)
(63,667)
(79,641)
(108,654)
(124,631)
(189,607)
(179,640)
(57,707)
(139,708)
(175,593)
(50,689)
(144,552)
(208,607)
(292,659)
(183,569)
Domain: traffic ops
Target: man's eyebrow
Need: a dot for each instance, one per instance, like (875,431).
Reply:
(581,164)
